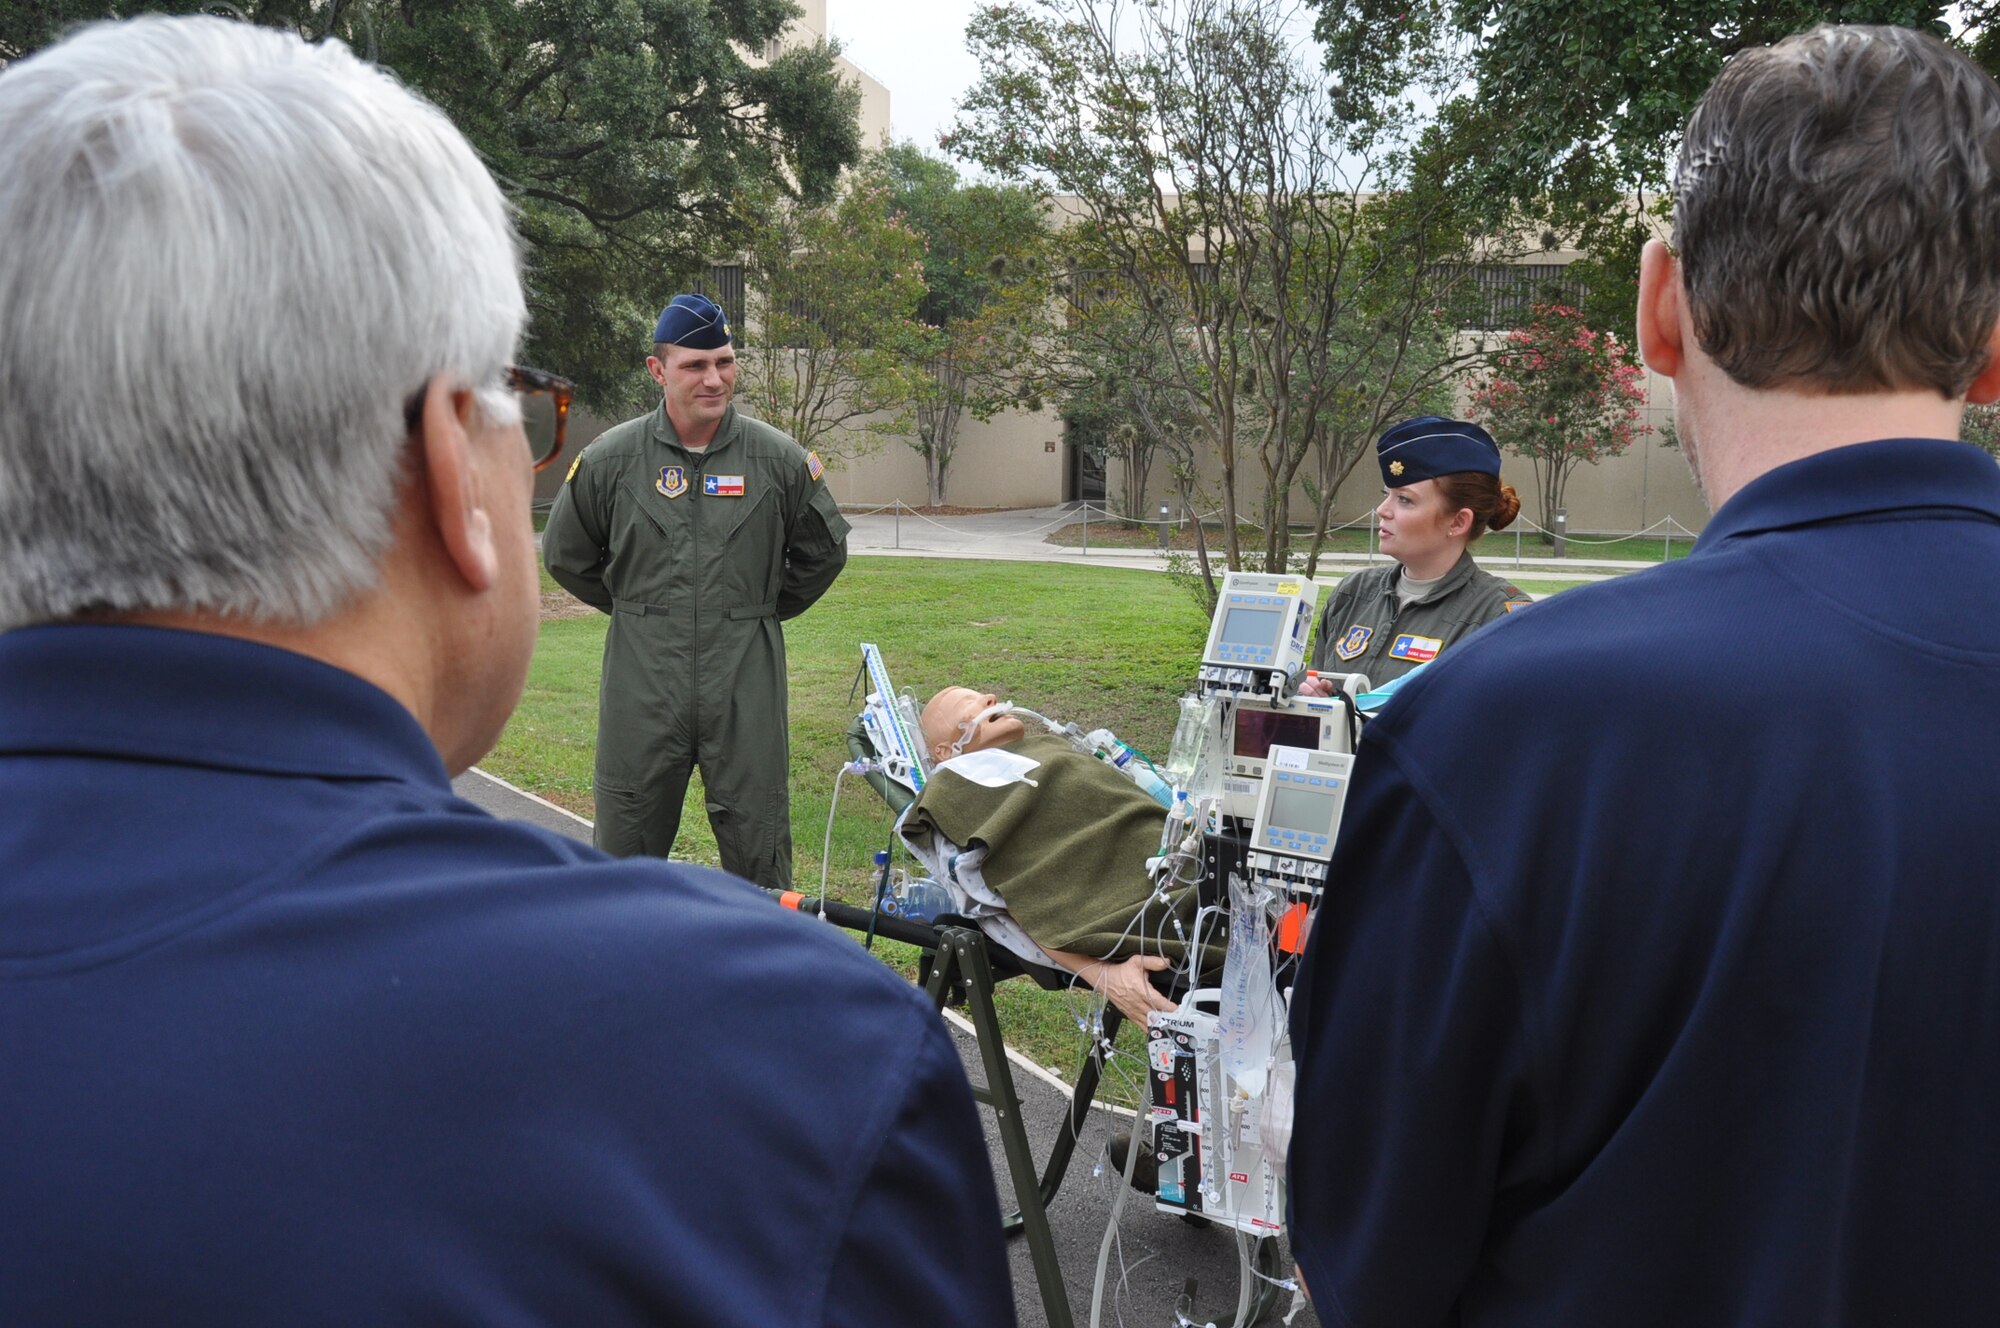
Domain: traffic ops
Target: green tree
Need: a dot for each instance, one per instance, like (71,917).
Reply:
(832,293)
(985,303)
(1981,428)
(1592,96)
(1563,395)
(1121,403)
(1212,184)
(624,130)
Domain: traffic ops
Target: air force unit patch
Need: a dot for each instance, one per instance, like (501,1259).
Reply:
(1354,642)
(722,486)
(673,481)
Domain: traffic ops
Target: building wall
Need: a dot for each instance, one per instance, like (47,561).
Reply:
(1014,460)
(810,26)
(1018,459)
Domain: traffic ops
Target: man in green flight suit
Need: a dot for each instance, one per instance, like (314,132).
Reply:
(698,530)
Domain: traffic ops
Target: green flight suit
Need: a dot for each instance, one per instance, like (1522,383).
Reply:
(697,557)
(1363,629)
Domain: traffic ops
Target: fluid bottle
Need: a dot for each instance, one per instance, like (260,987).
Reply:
(1141,772)
(918,899)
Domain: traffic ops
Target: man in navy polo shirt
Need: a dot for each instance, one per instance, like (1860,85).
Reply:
(289,1034)
(1661,979)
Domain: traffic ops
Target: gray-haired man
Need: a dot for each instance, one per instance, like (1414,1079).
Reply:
(288,1034)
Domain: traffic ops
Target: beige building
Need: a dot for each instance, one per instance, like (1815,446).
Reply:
(809,27)
(1021,459)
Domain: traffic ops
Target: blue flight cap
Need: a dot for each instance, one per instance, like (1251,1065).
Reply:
(1430,446)
(694,321)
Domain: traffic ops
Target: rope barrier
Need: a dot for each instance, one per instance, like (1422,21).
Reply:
(1677,529)
(1667,528)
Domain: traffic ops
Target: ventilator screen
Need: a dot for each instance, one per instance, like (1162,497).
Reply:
(1258,730)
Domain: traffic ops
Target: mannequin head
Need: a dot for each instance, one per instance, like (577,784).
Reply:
(946,718)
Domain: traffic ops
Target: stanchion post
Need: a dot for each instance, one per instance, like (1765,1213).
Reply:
(1163,528)
(1086,530)
(1562,531)
(899,523)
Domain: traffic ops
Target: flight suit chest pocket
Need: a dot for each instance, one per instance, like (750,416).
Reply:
(644,540)
(748,535)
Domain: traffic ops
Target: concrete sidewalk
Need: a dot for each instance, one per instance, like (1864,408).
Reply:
(1023,535)
(1156,1253)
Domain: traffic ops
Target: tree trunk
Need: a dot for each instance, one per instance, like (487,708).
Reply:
(1186,485)
(1138,463)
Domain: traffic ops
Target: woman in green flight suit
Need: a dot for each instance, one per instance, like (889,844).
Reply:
(1441,491)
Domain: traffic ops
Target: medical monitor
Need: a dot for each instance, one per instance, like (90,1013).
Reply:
(1298,816)
(1257,729)
(1316,723)
(1257,638)
(1252,727)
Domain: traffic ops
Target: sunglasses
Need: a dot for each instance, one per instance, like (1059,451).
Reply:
(544,410)
(545,404)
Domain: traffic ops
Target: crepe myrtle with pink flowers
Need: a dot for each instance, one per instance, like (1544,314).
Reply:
(1562,394)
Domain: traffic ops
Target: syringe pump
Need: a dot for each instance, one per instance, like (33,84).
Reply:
(1298,817)
(1257,639)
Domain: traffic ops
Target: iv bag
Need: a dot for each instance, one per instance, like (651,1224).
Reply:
(1251,1019)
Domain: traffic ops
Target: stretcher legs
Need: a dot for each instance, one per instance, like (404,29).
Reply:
(961,965)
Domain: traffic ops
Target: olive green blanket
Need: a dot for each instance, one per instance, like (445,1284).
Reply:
(1067,851)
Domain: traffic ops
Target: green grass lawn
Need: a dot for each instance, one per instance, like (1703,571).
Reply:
(1101,646)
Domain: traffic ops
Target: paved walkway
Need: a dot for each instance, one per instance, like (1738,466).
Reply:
(1021,536)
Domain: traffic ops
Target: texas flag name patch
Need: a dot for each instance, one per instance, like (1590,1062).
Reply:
(1422,649)
(722,486)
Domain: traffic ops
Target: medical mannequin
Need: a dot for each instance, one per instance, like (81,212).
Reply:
(958,721)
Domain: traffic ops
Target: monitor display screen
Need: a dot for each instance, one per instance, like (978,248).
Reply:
(1258,730)
(1255,628)
(1303,809)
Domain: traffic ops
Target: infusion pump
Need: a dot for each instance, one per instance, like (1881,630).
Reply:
(1298,817)
(1257,639)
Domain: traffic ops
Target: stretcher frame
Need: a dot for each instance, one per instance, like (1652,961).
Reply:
(959,967)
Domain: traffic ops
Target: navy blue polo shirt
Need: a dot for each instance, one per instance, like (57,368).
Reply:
(289,1034)
(1659,978)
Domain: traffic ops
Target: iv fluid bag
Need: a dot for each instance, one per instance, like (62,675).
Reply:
(1190,735)
(1252,1017)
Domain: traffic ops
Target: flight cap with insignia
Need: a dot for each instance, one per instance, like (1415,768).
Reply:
(1430,446)
(694,321)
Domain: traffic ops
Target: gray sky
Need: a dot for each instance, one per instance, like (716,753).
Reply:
(916,48)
